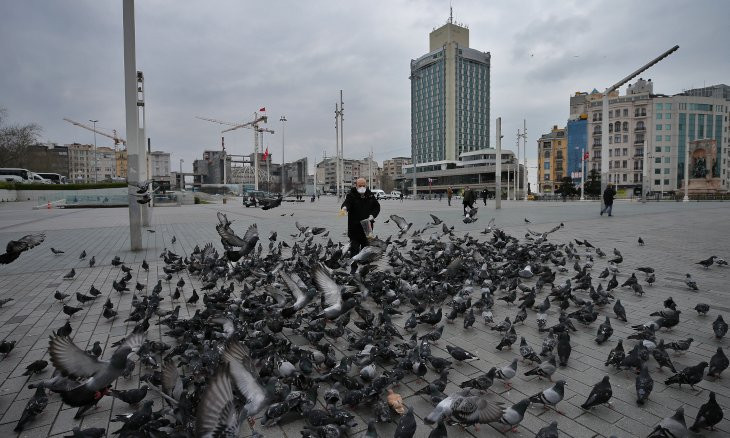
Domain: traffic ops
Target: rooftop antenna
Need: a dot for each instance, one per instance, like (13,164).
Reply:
(451,13)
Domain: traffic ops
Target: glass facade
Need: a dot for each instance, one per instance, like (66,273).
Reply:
(472,105)
(428,110)
(577,132)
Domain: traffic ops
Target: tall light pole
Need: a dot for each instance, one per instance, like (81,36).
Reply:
(413,77)
(498,167)
(604,115)
(524,160)
(96,163)
(283,165)
(134,148)
(583,174)
(182,177)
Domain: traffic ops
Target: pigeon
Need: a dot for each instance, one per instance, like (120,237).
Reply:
(702,308)
(94,292)
(673,426)
(194,297)
(545,369)
(332,292)
(719,326)
(600,394)
(35,406)
(73,362)
(508,339)
(5,301)
(718,363)
(604,331)
(16,247)
(460,354)
(131,396)
(395,401)
(60,296)
(620,311)
(564,348)
(95,350)
(551,396)
(483,381)
(616,356)
(641,241)
(81,298)
(92,262)
(406,427)
(92,432)
(689,376)
(690,283)
(302,298)
(644,385)
(513,415)
(56,251)
(507,372)
(6,347)
(35,367)
(527,352)
(662,357)
(681,345)
(468,406)
(82,255)
(708,416)
(70,275)
(401,223)
(145,265)
(707,262)
(549,431)
(70,310)
(527,221)
(65,330)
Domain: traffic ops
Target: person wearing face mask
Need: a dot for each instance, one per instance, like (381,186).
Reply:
(360,203)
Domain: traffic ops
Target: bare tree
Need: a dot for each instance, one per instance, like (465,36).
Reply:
(15,141)
(386,182)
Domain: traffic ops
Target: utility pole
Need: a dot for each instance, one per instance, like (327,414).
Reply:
(517,180)
(342,144)
(283,163)
(583,174)
(96,162)
(686,176)
(498,168)
(132,120)
(255,153)
(182,177)
(337,149)
(370,169)
(645,174)
(524,160)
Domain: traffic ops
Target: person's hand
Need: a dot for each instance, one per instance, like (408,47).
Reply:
(343,211)
(371,218)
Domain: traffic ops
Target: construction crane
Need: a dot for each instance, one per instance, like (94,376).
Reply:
(254,124)
(113,135)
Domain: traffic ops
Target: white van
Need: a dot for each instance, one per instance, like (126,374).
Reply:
(395,194)
(379,194)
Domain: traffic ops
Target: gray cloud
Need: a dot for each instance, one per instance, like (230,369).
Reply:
(226,59)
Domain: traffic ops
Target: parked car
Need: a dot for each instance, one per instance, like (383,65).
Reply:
(395,194)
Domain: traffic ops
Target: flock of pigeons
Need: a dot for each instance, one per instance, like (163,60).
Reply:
(261,346)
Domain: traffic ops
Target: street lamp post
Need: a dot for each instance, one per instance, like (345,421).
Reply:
(182,177)
(96,163)
(413,77)
(283,166)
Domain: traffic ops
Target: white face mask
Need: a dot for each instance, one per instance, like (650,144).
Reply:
(361,190)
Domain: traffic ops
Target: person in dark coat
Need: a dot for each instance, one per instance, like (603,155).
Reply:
(360,203)
(485,194)
(449,194)
(469,199)
(608,196)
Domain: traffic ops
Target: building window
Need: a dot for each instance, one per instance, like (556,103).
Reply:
(667,138)
(626,112)
(658,127)
(658,160)
(667,160)
(659,106)
(668,116)
(659,137)
(547,166)
(657,149)
(667,127)
(667,106)
(624,164)
(626,138)
(657,171)
(610,152)
(667,149)
(658,116)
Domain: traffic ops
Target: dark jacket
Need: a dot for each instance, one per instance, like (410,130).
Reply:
(608,195)
(359,207)
(469,197)
(485,194)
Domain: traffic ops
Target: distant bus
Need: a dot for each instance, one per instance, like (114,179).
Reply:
(55,178)
(14,174)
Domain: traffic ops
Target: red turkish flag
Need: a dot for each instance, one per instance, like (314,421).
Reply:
(585,156)
(266,154)
(262,110)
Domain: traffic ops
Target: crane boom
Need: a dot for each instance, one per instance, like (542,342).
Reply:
(113,136)
(255,122)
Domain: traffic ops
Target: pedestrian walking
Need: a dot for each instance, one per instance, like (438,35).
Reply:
(608,196)
(469,198)
(449,194)
(485,194)
(360,203)
(401,196)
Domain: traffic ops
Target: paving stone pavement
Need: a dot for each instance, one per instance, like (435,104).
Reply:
(677,235)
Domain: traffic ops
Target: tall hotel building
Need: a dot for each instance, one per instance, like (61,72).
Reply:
(449,99)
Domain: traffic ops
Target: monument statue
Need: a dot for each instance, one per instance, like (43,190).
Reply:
(700,168)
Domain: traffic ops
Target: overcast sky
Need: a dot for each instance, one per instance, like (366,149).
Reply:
(226,59)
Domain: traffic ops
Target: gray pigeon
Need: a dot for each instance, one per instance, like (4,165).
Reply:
(549,431)
(644,385)
(73,362)
(513,415)
(671,427)
(551,396)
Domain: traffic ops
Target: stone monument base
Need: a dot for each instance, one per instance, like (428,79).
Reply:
(705,186)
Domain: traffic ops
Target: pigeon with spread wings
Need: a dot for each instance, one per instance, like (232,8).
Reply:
(16,247)
(74,362)
(229,239)
(332,295)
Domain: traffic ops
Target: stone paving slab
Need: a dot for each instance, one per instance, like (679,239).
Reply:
(676,234)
